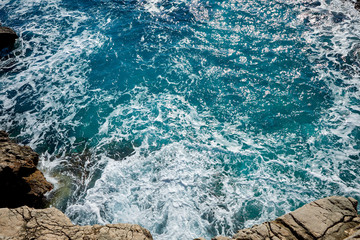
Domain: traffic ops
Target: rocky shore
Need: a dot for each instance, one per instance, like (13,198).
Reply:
(331,218)
(51,224)
(24,185)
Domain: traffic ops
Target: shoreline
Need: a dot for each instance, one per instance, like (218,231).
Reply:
(334,217)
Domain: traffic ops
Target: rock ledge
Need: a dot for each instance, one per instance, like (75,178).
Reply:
(331,218)
(26,223)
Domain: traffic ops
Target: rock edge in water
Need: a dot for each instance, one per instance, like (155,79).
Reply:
(7,37)
(21,183)
(51,224)
(331,218)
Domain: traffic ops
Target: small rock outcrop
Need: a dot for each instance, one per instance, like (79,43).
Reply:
(25,223)
(331,218)
(21,183)
(7,37)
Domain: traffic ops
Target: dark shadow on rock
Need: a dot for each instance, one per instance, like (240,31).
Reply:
(21,183)
(7,38)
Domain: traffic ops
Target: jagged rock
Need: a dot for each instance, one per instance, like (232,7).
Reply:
(331,218)
(7,37)
(25,223)
(21,183)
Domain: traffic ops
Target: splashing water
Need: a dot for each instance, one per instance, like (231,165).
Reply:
(189,117)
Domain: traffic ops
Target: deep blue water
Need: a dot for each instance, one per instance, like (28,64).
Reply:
(189,117)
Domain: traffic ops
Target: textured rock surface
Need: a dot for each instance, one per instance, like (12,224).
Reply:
(331,218)
(26,223)
(7,37)
(21,183)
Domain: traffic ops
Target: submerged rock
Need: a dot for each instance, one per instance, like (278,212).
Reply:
(330,218)
(7,37)
(44,224)
(21,183)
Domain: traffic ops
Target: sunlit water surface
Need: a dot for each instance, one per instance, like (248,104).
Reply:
(189,117)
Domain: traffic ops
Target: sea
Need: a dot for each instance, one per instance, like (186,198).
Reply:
(192,118)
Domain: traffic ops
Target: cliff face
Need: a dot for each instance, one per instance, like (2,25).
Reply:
(331,218)
(25,223)
(21,183)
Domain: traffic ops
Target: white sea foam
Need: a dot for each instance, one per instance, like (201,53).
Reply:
(54,71)
(175,192)
(188,174)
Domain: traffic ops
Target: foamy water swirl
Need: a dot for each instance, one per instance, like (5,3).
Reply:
(191,118)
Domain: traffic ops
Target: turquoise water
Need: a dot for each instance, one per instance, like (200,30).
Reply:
(192,118)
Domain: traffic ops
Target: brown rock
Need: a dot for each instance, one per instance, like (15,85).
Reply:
(50,224)
(330,218)
(355,235)
(316,219)
(220,238)
(21,183)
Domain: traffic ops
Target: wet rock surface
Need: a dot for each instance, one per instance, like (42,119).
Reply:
(50,224)
(331,218)
(21,183)
(7,37)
